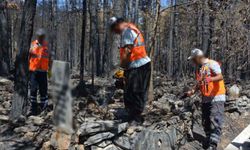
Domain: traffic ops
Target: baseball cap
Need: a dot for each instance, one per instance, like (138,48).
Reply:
(195,52)
(40,32)
(112,21)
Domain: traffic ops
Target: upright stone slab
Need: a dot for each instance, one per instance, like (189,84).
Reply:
(234,92)
(62,97)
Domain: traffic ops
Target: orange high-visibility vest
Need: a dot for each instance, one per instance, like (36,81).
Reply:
(39,57)
(210,89)
(138,51)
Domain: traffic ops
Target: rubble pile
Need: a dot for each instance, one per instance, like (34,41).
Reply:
(238,98)
(170,122)
(6,90)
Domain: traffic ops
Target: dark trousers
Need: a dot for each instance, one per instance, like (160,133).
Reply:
(136,89)
(38,81)
(212,120)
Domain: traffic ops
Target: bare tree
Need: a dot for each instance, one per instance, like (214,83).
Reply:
(152,50)
(171,40)
(20,99)
(4,39)
(84,23)
(206,28)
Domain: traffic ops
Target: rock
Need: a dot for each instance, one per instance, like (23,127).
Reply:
(110,147)
(100,126)
(245,98)
(130,131)
(4,118)
(118,94)
(123,142)
(6,104)
(173,120)
(29,135)
(3,111)
(60,140)
(231,109)
(163,106)
(103,144)
(156,140)
(49,115)
(246,92)
(179,103)
(46,146)
(234,92)
(77,147)
(98,138)
(4,81)
(35,120)
(25,129)
(122,127)
(133,129)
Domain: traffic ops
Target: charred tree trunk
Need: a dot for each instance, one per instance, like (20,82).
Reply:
(206,28)
(106,47)
(4,42)
(91,44)
(98,43)
(20,99)
(151,52)
(171,40)
(53,28)
(84,23)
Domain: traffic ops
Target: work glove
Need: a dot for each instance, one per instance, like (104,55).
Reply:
(119,74)
(119,79)
(49,74)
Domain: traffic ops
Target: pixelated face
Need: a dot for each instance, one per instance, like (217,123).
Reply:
(197,60)
(118,28)
(41,38)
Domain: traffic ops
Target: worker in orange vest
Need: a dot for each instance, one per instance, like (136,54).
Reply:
(211,85)
(136,64)
(39,60)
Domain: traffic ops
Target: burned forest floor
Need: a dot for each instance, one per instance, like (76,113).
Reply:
(170,123)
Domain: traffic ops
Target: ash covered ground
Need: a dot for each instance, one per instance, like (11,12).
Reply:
(170,123)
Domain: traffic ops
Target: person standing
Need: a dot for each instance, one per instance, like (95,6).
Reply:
(136,64)
(39,61)
(211,85)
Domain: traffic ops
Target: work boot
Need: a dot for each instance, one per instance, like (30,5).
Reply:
(136,120)
(34,109)
(43,106)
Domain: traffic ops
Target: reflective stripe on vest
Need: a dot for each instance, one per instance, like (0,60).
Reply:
(138,51)
(39,57)
(210,89)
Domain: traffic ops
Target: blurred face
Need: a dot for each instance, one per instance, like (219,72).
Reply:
(198,60)
(118,28)
(41,38)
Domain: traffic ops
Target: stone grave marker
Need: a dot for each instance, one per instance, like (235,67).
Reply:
(62,98)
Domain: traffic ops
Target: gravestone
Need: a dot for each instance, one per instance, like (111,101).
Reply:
(62,98)
(234,92)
